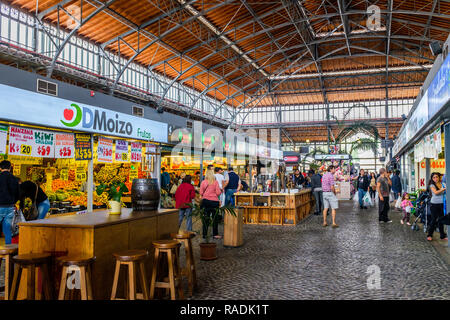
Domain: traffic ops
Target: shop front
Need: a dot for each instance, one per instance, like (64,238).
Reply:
(69,148)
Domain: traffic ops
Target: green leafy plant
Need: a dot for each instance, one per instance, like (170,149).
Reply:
(207,220)
(115,190)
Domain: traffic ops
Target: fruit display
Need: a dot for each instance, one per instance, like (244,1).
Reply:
(59,184)
(100,200)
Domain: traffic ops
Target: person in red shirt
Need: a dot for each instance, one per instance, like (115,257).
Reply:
(184,196)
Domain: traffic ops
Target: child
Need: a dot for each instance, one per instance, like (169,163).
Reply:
(406,205)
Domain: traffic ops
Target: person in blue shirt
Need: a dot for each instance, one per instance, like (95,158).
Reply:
(396,184)
(165,179)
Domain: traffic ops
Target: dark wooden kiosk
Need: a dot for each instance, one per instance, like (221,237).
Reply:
(97,234)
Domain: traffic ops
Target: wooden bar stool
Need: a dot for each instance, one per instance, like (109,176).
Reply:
(83,264)
(31,262)
(189,271)
(131,258)
(7,252)
(170,247)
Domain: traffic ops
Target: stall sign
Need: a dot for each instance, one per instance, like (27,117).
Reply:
(83,146)
(64,146)
(16,170)
(136,152)
(151,148)
(80,174)
(31,143)
(121,154)
(3,138)
(439,89)
(35,108)
(134,173)
(105,150)
(64,174)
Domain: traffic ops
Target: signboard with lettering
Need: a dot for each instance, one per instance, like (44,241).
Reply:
(105,150)
(80,174)
(3,138)
(136,152)
(31,143)
(121,153)
(64,146)
(439,90)
(83,146)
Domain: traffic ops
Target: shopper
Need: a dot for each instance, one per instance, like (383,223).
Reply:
(9,195)
(299,179)
(396,184)
(231,185)
(316,186)
(165,179)
(218,173)
(383,186)
(406,206)
(329,196)
(33,191)
(210,192)
(363,186)
(437,192)
(373,186)
(183,197)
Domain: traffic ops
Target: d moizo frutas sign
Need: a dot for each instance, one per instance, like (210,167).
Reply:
(34,108)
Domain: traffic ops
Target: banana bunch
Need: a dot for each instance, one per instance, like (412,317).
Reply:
(100,199)
(104,175)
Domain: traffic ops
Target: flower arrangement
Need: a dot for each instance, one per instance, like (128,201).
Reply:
(115,190)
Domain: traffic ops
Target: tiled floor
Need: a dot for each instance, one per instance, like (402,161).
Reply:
(311,262)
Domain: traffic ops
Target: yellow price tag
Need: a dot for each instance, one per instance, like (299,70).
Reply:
(24,149)
(124,156)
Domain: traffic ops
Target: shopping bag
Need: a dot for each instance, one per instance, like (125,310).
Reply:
(398,203)
(408,209)
(367,200)
(18,217)
(391,197)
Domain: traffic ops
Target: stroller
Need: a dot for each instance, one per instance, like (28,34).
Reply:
(422,211)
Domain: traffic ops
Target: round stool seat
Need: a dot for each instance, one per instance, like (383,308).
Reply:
(32,258)
(9,249)
(183,235)
(166,244)
(131,255)
(76,260)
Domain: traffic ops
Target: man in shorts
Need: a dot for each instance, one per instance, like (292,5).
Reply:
(329,196)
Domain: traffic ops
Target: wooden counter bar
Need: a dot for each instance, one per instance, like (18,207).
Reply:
(97,234)
(279,208)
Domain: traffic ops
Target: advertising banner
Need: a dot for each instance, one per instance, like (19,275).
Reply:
(3,138)
(105,150)
(83,146)
(136,152)
(64,145)
(34,108)
(121,154)
(31,143)
(439,90)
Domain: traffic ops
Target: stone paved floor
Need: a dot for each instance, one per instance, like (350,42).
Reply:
(311,262)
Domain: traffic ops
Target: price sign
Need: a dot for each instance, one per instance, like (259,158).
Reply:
(121,154)
(3,136)
(83,147)
(64,146)
(80,174)
(134,173)
(16,169)
(64,174)
(31,143)
(136,152)
(105,150)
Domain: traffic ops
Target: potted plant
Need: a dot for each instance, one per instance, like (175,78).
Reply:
(208,248)
(114,190)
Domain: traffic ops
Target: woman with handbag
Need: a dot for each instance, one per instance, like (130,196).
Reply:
(210,192)
(41,204)
(373,186)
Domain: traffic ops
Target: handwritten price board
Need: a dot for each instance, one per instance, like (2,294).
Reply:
(31,143)
(105,150)
(64,174)
(64,146)
(121,154)
(80,174)
(134,173)
(83,146)
(136,152)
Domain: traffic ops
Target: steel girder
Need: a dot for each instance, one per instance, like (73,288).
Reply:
(345,24)
(80,23)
